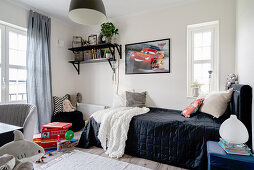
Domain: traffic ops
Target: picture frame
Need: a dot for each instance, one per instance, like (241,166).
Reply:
(76,42)
(148,57)
(92,39)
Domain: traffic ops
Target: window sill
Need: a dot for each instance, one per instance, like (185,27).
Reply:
(191,97)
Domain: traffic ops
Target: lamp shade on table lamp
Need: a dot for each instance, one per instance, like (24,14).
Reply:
(234,131)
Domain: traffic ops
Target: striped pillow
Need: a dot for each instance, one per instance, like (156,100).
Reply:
(58,103)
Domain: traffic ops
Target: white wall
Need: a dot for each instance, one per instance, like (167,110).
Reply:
(63,73)
(13,14)
(63,79)
(244,45)
(164,90)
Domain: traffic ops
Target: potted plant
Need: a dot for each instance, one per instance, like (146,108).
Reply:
(107,53)
(108,30)
(195,88)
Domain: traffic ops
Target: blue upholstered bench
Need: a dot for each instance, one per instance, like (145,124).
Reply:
(219,159)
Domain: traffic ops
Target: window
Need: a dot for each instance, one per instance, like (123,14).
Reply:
(202,52)
(13,43)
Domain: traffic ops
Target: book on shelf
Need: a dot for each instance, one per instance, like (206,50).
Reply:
(236,149)
(98,54)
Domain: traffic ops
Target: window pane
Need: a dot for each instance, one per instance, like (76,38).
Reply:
(17,49)
(197,39)
(206,53)
(202,46)
(13,40)
(21,42)
(201,76)
(198,53)
(207,38)
(17,84)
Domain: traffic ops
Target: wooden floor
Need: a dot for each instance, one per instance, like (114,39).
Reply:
(126,158)
(133,160)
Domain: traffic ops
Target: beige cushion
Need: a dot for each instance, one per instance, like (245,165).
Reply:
(216,104)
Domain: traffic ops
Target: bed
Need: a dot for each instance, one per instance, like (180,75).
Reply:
(163,135)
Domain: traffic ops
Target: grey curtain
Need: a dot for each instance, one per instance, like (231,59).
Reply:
(38,66)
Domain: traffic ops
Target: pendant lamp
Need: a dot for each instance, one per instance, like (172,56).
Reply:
(87,12)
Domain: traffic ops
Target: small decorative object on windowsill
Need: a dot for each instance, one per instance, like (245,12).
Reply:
(195,88)
(231,79)
(210,72)
(108,30)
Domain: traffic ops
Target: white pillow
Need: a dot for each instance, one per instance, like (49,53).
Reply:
(216,104)
(119,100)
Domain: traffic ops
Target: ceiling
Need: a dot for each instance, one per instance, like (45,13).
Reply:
(114,8)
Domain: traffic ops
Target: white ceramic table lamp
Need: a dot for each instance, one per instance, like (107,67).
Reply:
(233,131)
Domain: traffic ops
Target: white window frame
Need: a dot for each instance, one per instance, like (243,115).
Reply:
(5,66)
(2,65)
(191,29)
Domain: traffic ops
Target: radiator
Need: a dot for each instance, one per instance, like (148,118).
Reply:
(89,109)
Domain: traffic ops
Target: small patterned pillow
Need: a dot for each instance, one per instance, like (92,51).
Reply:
(192,108)
(58,103)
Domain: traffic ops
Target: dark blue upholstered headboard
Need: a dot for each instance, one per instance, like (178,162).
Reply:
(241,106)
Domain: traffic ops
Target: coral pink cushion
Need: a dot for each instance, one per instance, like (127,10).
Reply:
(192,108)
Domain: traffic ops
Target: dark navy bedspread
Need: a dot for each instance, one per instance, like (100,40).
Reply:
(165,136)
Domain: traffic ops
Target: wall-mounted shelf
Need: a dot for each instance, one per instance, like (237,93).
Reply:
(76,64)
(112,47)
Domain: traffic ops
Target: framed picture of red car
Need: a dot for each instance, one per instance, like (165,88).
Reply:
(148,57)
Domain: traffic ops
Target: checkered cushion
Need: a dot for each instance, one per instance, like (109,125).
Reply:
(58,103)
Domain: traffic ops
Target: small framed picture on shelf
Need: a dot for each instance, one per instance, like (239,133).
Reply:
(77,41)
(92,39)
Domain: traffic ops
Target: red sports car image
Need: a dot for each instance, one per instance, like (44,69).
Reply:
(147,58)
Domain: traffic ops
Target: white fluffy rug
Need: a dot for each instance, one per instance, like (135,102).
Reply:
(77,160)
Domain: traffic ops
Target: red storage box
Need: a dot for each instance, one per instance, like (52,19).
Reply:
(49,134)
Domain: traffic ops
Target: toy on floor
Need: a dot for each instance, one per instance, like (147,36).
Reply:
(49,134)
(25,152)
(7,162)
(67,106)
(63,145)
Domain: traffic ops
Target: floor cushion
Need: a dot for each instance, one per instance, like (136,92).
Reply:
(76,118)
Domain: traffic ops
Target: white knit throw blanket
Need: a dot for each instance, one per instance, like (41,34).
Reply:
(114,128)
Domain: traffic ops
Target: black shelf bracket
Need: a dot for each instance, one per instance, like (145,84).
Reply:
(77,68)
(119,49)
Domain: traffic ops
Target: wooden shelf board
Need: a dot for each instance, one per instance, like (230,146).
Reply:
(91,61)
(90,47)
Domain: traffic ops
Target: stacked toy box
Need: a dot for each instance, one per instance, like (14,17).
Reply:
(49,134)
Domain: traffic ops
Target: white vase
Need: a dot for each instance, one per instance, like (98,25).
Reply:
(195,92)
(233,131)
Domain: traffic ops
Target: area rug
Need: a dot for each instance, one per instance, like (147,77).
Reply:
(77,160)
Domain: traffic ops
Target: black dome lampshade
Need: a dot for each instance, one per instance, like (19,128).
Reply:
(87,12)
